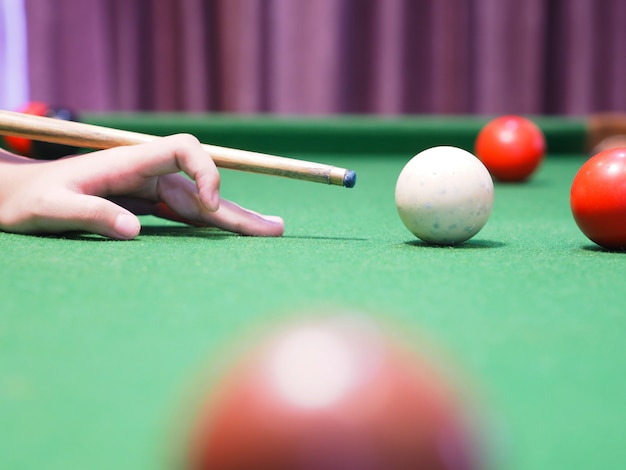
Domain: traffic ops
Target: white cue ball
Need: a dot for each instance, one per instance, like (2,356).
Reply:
(444,195)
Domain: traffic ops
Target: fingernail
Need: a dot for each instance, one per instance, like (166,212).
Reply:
(126,226)
(273,219)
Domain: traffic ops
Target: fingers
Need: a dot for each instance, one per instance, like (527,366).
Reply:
(137,169)
(234,218)
(159,163)
(230,217)
(78,212)
(179,197)
(77,193)
(191,158)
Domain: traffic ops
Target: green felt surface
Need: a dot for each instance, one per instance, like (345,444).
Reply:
(100,340)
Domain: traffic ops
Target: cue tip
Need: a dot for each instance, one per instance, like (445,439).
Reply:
(349,179)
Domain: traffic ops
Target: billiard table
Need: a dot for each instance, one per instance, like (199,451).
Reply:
(102,342)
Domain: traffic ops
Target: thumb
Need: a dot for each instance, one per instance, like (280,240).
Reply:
(92,214)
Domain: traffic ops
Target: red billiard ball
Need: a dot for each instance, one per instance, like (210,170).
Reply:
(333,395)
(511,147)
(38,149)
(598,198)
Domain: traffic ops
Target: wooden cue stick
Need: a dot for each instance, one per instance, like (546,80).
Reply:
(98,137)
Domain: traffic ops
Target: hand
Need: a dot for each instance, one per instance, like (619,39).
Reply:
(103,192)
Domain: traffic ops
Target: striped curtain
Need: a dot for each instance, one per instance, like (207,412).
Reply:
(330,56)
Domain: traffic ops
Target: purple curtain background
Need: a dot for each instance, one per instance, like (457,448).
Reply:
(330,56)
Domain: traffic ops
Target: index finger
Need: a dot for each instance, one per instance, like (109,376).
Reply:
(181,152)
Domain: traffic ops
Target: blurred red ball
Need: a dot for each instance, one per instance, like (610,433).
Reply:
(511,147)
(333,396)
(598,198)
(39,149)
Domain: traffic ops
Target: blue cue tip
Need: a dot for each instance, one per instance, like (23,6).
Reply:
(349,179)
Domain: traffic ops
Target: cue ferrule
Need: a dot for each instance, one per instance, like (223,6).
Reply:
(99,137)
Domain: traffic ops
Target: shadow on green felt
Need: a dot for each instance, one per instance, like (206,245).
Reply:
(146,231)
(468,245)
(185,231)
(601,249)
(82,236)
(180,231)
(323,238)
(214,233)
